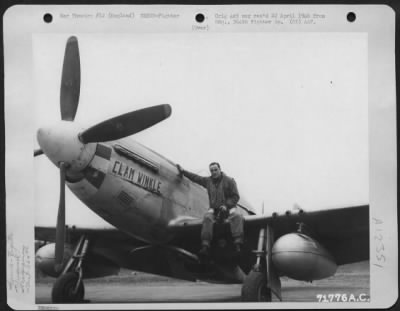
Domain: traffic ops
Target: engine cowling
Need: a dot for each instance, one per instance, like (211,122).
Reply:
(300,257)
(45,258)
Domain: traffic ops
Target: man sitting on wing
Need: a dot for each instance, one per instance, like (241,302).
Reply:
(223,196)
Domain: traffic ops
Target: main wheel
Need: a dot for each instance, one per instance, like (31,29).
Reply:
(63,289)
(255,287)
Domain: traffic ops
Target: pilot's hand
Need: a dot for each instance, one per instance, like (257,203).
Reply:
(223,208)
(180,169)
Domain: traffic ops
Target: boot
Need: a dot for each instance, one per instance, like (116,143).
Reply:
(238,249)
(204,252)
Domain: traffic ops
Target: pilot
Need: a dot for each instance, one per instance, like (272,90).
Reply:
(223,196)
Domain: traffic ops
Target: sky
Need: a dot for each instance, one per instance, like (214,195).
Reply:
(285,114)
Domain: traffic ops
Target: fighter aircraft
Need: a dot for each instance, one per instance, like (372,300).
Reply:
(156,214)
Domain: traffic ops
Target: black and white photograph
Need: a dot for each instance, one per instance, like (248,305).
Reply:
(239,155)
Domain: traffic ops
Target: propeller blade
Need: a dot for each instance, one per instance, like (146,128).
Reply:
(126,124)
(70,81)
(37,152)
(60,230)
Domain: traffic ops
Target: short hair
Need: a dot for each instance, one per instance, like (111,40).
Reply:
(215,163)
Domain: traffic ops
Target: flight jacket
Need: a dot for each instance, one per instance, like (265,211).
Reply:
(221,192)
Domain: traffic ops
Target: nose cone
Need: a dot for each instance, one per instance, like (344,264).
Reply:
(60,143)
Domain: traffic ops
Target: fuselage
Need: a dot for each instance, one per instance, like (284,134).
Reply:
(129,185)
(137,190)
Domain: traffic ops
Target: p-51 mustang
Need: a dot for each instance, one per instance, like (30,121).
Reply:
(157,214)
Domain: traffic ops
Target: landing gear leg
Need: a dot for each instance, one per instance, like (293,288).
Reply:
(69,287)
(262,280)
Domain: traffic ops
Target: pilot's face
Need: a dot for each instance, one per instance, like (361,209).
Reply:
(215,171)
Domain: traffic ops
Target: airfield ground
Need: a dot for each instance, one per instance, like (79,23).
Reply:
(137,287)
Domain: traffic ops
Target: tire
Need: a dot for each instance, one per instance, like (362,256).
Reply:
(63,289)
(255,287)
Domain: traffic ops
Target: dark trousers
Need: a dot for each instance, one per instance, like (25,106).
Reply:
(236,223)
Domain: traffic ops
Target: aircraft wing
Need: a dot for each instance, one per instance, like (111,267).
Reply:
(48,234)
(344,232)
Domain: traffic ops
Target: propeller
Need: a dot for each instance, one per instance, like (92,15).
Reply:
(70,80)
(126,124)
(60,229)
(69,100)
(37,152)
(115,128)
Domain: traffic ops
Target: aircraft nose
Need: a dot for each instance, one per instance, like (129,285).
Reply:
(49,143)
(60,143)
